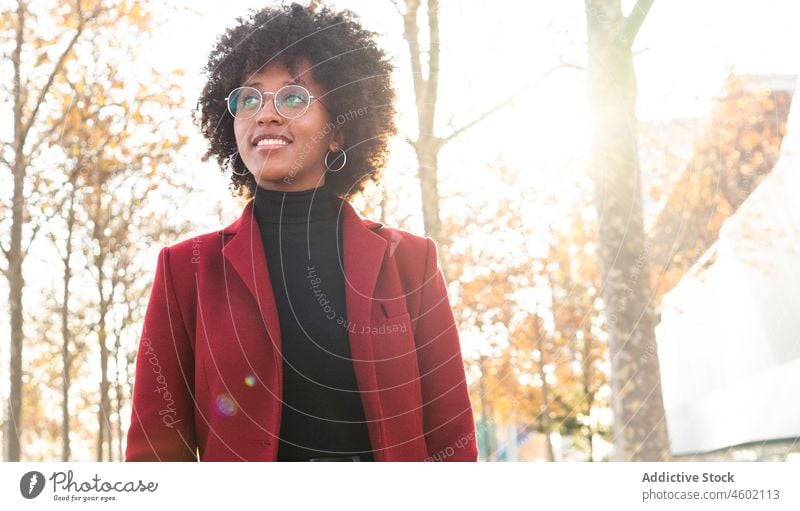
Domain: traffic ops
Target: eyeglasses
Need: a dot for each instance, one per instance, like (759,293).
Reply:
(291,101)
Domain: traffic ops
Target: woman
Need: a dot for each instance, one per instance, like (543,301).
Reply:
(301,332)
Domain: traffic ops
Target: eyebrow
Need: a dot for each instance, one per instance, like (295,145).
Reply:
(296,81)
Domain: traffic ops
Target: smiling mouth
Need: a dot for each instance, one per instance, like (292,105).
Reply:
(278,142)
(271,141)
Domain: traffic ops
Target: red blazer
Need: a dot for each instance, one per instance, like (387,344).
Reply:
(209,371)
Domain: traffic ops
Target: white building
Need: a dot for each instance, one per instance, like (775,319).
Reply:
(729,337)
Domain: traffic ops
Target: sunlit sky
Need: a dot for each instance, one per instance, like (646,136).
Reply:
(492,49)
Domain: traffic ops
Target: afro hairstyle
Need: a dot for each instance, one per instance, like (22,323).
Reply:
(344,58)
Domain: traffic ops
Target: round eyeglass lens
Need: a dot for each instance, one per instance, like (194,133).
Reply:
(292,101)
(244,102)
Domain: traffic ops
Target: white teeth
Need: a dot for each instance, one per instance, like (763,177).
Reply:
(272,141)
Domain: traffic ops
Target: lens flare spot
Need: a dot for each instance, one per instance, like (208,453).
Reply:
(250,381)
(226,405)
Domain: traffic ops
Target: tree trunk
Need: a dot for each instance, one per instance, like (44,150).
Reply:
(100,220)
(120,361)
(426,91)
(488,443)
(118,395)
(428,157)
(544,420)
(66,357)
(104,426)
(15,254)
(588,391)
(640,429)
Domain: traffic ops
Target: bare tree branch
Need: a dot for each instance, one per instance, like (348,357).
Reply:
(509,101)
(397,6)
(47,135)
(33,237)
(38,226)
(5,252)
(634,21)
(57,68)
(50,80)
(3,159)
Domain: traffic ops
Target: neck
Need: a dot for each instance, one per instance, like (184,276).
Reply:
(311,205)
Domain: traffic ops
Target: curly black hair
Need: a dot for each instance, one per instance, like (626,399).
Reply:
(345,59)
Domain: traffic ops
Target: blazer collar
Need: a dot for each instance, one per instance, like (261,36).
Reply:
(346,211)
(363,256)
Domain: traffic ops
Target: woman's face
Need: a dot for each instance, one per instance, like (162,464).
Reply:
(298,164)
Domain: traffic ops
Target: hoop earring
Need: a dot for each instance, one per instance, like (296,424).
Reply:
(344,154)
(233,169)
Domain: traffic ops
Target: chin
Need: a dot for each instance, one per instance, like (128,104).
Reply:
(278,180)
(274,180)
(269,172)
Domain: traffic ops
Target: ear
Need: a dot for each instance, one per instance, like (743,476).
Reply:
(337,140)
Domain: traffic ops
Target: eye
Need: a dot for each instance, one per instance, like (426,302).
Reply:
(293,100)
(248,102)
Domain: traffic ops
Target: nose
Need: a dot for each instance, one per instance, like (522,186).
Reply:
(268,113)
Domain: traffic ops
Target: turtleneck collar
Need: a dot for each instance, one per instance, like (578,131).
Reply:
(314,204)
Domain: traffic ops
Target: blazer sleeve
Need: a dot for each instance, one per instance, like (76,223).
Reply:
(447,413)
(162,415)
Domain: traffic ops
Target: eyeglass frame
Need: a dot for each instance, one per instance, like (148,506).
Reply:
(274,95)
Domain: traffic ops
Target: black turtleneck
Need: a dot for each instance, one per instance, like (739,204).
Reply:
(322,411)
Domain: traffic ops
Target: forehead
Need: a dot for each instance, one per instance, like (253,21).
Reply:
(277,74)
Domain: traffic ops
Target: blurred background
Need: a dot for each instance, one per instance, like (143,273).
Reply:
(613,186)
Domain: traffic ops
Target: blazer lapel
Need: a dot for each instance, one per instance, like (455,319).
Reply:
(363,257)
(245,252)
